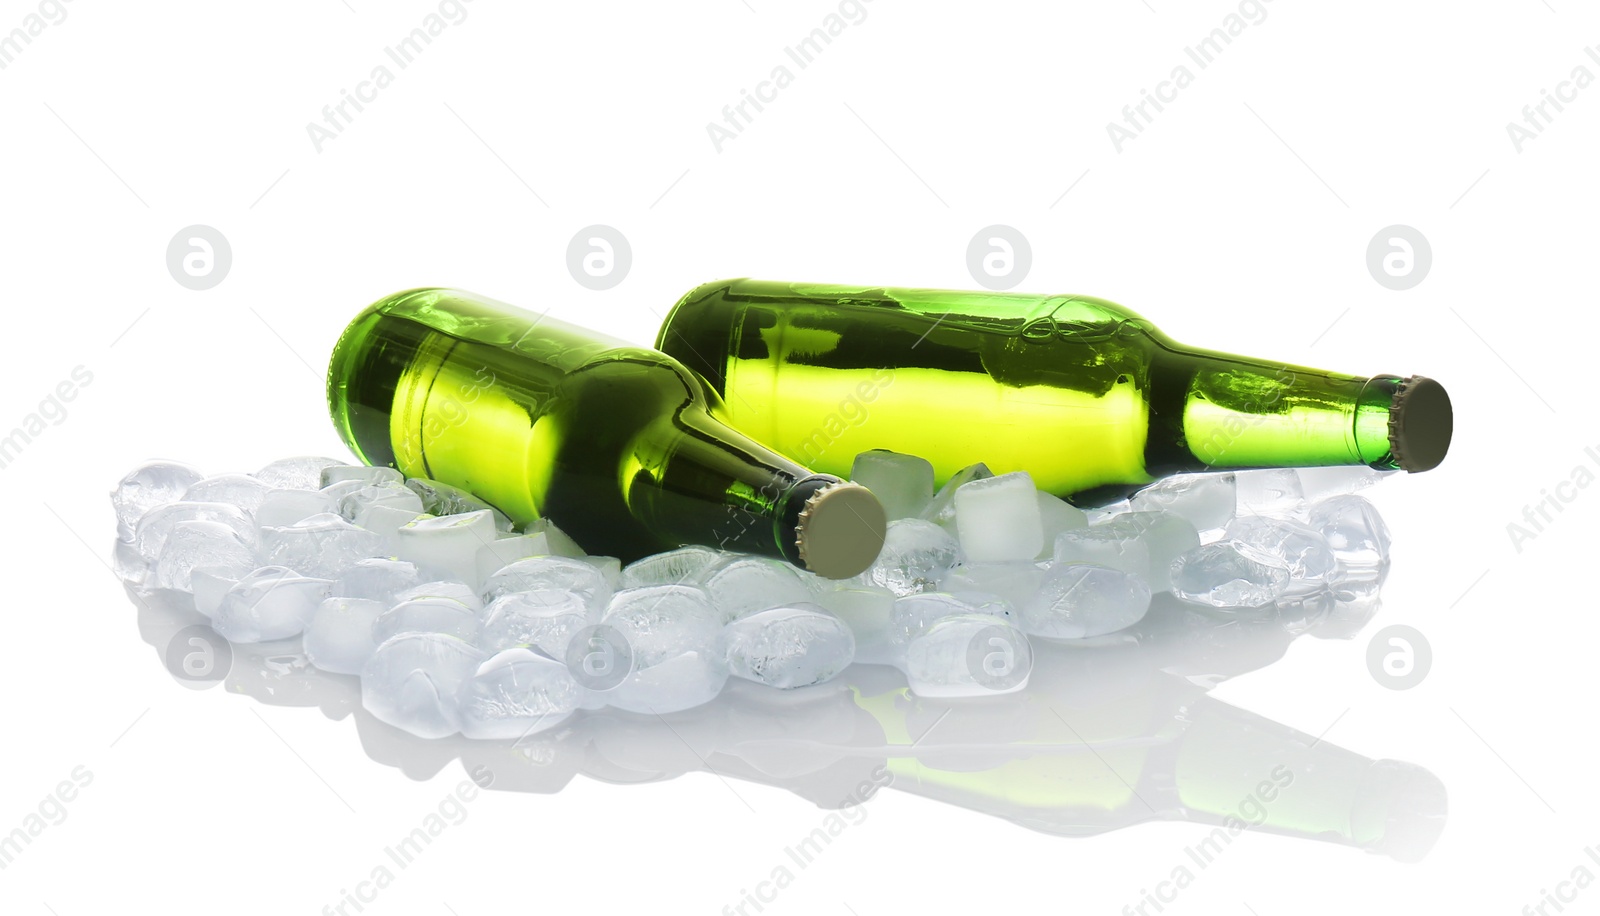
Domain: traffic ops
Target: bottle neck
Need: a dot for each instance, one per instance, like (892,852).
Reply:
(1214,410)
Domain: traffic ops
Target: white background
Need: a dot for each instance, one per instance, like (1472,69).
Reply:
(1238,220)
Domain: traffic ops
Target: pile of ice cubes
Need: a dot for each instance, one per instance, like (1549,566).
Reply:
(457,621)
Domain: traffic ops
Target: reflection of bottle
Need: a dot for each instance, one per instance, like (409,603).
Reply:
(619,445)
(1079,392)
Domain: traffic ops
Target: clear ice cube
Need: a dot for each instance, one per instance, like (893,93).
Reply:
(240,490)
(1299,547)
(282,508)
(1274,492)
(559,573)
(365,474)
(1077,601)
(448,544)
(663,621)
(793,646)
(544,619)
(681,682)
(1165,536)
(941,509)
(902,483)
(413,681)
(427,615)
(377,579)
(340,636)
(516,693)
(443,588)
(270,603)
(914,615)
(392,495)
(968,655)
(198,543)
(683,566)
(147,486)
(155,526)
(1206,500)
(443,499)
(302,472)
(1229,574)
(916,554)
(322,546)
(1105,544)
(1353,530)
(867,611)
(1055,516)
(742,584)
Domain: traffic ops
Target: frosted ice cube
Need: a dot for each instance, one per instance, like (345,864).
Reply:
(427,615)
(198,543)
(968,655)
(941,509)
(662,621)
(340,635)
(240,490)
(545,619)
(443,588)
(386,522)
(559,573)
(1229,574)
(413,681)
(321,546)
(516,693)
(1354,531)
(609,567)
(903,483)
(1207,500)
(1015,582)
(1274,492)
(866,611)
(557,541)
(915,554)
(447,545)
(302,472)
(282,508)
(1165,536)
(1105,544)
(154,527)
(339,489)
(914,615)
(1055,516)
(1341,480)
(127,564)
(209,585)
(393,495)
(440,498)
(1301,548)
(794,646)
(683,566)
(377,579)
(742,584)
(270,603)
(1078,601)
(681,682)
(147,486)
(366,474)
(496,555)
(997,518)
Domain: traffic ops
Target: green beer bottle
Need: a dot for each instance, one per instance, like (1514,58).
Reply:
(621,446)
(1088,397)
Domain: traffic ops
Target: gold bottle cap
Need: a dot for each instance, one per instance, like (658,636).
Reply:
(1420,423)
(840,530)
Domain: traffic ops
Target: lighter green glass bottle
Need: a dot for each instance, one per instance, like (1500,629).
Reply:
(1088,397)
(620,446)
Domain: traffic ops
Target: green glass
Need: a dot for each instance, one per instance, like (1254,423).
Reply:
(1088,397)
(621,446)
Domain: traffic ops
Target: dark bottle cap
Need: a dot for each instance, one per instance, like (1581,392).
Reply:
(1420,422)
(840,530)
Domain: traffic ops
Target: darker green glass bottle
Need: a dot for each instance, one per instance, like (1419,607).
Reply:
(1088,397)
(620,446)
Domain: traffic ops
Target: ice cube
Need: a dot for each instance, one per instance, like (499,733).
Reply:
(1076,601)
(997,518)
(1354,531)
(155,526)
(321,546)
(681,682)
(413,681)
(914,615)
(903,483)
(270,603)
(915,554)
(427,615)
(742,584)
(1323,483)
(443,588)
(198,543)
(559,573)
(941,509)
(683,566)
(1015,582)
(1105,544)
(662,621)
(516,693)
(447,545)
(377,579)
(339,637)
(1274,492)
(496,555)
(1165,536)
(147,486)
(1229,574)
(1055,516)
(392,495)
(794,646)
(1299,547)
(609,567)
(365,474)
(557,541)
(968,655)
(867,612)
(545,619)
(1207,500)
(302,472)
(443,499)
(339,489)
(209,585)
(240,490)
(282,508)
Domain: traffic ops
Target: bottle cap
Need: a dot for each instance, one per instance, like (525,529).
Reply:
(840,530)
(1420,422)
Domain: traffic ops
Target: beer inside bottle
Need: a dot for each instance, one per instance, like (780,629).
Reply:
(619,445)
(1088,397)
